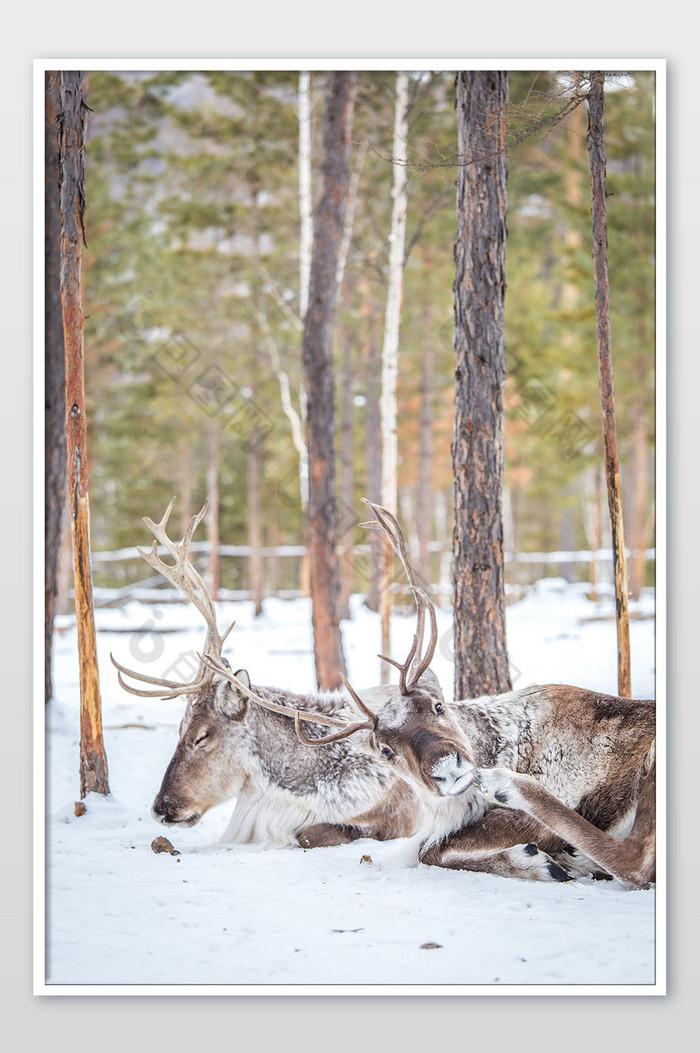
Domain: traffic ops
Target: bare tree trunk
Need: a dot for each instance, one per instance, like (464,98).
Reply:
(93,762)
(347,478)
(55,467)
(638,539)
(213,513)
(390,353)
(305,205)
(373,440)
(255,538)
(347,514)
(319,381)
(297,420)
(481,657)
(256,582)
(596,146)
(425,502)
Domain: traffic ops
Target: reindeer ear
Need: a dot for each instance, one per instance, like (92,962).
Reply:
(430,683)
(233,703)
(242,675)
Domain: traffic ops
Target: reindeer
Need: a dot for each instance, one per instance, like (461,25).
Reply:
(548,783)
(230,748)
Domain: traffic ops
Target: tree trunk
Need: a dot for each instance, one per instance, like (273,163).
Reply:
(213,512)
(319,381)
(481,657)
(638,539)
(55,467)
(373,441)
(424,501)
(347,514)
(305,200)
(255,538)
(596,147)
(390,354)
(93,762)
(256,582)
(347,479)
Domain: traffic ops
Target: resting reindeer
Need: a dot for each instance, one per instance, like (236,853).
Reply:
(230,748)
(546,783)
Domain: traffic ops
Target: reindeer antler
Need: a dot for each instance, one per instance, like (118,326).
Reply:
(182,574)
(345,729)
(413,667)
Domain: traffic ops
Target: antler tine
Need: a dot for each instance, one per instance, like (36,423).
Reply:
(174,689)
(216,666)
(388,524)
(182,572)
(424,603)
(183,575)
(359,725)
(344,734)
(403,667)
(356,698)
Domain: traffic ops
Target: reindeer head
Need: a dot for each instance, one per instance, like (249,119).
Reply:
(200,773)
(215,755)
(414,731)
(206,768)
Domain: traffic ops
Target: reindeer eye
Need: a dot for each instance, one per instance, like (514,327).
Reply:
(386,753)
(439,708)
(201,738)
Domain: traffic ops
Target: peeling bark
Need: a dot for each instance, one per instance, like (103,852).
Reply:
(93,762)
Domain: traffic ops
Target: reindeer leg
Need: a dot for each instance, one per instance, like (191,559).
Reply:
(325,835)
(509,844)
(394,816)
(630,859)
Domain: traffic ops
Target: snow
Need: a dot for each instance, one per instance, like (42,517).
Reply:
(358,918)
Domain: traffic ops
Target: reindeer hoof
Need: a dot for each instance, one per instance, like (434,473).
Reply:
(497,786)
(558,873)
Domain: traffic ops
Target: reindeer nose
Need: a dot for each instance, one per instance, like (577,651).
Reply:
(161,809)
(160,813)
(451,773)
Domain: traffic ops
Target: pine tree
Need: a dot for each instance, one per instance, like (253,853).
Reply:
(319,383)
(481,658)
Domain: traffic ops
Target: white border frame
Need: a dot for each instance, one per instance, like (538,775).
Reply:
(40,987)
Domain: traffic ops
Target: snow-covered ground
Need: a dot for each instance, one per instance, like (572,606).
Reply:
(119,914)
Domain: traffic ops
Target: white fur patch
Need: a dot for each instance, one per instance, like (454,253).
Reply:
(395,714)
(624,824)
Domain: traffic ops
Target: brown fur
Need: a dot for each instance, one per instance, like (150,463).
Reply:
(545,783)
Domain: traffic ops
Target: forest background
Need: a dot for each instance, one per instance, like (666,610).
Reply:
(194,307)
